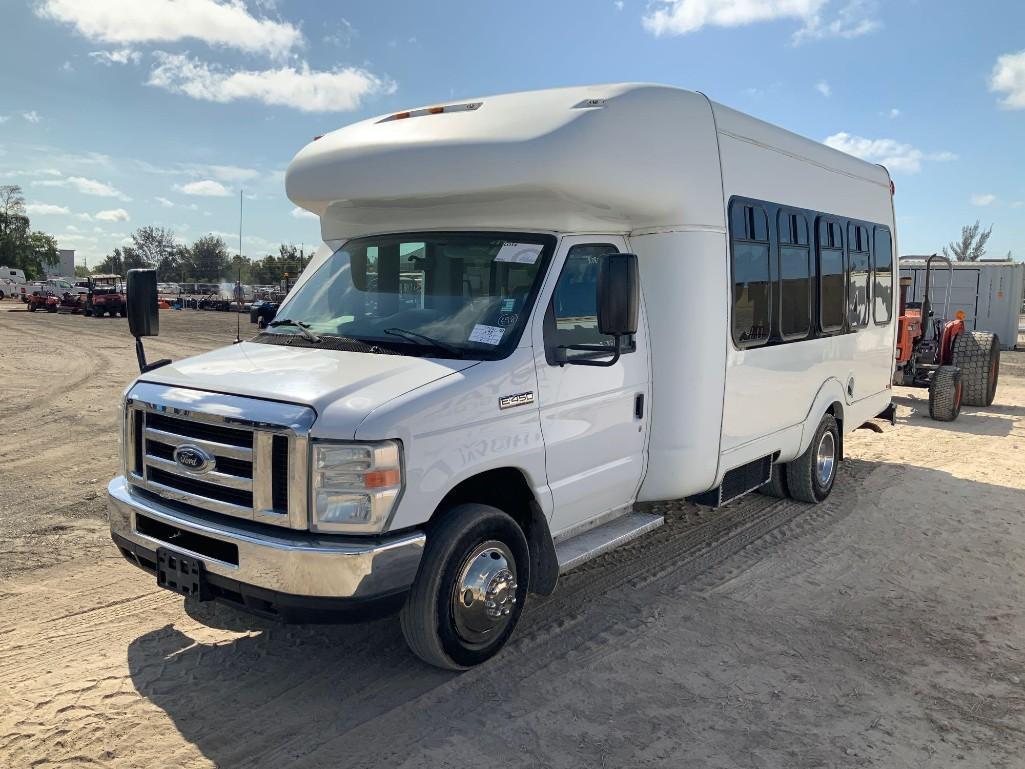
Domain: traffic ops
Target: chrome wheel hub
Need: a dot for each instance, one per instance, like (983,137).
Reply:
(485,593)
(825,458)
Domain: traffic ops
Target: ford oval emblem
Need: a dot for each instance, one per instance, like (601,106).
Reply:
(193,458)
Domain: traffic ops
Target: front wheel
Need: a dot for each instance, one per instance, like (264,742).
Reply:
(945,394)
(810,477)
(470,588)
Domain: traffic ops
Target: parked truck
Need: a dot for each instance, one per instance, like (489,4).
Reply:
(532,313)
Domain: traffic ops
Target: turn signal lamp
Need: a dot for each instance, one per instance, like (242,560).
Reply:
(959,315)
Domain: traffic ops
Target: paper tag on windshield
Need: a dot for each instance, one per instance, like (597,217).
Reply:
(487,334)
(519,253)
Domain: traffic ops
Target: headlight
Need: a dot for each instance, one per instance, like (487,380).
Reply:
(355,485)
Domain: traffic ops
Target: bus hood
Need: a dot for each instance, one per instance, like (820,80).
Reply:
(353,384)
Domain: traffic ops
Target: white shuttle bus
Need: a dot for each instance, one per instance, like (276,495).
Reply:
(531,313)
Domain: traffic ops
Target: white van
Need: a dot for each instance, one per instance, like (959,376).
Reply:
(11,281)
(531,312)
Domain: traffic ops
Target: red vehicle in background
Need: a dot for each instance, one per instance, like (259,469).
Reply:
(957,365)
(106,295)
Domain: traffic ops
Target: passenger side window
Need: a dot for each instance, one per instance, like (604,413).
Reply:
(574,308)
(858,262)
(752,286)
(832,304)
(795,271)
(883,291)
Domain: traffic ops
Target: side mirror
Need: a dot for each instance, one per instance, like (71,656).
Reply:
(618,301)
(143,315)
(618,294)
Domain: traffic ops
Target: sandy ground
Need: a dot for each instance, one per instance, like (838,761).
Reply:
(884,628)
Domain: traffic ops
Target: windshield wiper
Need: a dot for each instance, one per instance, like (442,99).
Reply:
(304,328)
(416,336)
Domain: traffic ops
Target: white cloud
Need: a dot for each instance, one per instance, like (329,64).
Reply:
(986,199)
(45,209)
(302,213)
(206,188)
(165,202)
(1018,204)
(893,114)
(4,119)
(112,215)
(681,17)
(618,4)
(225,23)
(31,116)
(343,35)
(824,88)
(120,56)
(299,87)
(853,20)
(66,67)
(889,152)
(1008,78)
(234,174)
(86,187)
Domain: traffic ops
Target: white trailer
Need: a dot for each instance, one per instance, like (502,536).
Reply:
(531,312)
(988,292)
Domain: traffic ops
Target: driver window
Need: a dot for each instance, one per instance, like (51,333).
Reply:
(573,314)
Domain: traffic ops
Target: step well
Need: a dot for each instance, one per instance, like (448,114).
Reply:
(594,542)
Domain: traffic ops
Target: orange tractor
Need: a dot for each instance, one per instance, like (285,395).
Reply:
(958,366)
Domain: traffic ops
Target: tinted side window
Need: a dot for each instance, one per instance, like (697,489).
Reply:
(752,287)
(575,300)
(858,277)
(883,290)
(832,304)
(795,271)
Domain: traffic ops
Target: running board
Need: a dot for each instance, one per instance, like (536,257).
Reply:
(594,542)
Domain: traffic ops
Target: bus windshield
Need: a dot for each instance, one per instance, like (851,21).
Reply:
(460,294)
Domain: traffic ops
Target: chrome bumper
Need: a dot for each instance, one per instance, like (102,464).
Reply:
(290,562)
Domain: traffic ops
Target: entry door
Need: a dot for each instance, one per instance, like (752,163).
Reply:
(594,419)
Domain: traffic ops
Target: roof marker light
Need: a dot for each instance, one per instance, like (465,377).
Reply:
(464,107)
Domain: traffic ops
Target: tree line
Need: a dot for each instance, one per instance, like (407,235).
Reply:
(207,260)
(21,247)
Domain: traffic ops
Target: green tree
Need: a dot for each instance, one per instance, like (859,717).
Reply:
(972,245)
(20,247)
(81,271)
(210,258)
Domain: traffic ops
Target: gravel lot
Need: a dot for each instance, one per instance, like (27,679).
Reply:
(885,627)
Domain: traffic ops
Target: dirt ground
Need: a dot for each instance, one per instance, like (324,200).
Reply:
(885,627)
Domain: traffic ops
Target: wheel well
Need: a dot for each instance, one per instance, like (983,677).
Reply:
(507,489)
(836,409)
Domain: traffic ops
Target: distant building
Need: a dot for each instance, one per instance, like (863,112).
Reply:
(63,267)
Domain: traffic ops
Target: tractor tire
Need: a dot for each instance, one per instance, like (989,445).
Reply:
(945,394)
(469,590)
(777,485)
(977,354)
(97,312)
(810,477)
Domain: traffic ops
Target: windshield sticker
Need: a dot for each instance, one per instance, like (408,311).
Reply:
(486,334)
(519,253)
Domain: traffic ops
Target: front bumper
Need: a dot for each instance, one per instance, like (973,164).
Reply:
(299,567)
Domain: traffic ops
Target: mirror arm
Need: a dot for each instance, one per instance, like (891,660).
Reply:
(140,353)
(599,351)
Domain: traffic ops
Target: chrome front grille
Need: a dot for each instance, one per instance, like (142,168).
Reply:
(258,450)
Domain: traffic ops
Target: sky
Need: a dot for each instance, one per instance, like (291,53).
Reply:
(116,114)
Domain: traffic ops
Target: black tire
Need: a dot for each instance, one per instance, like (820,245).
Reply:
(97,312)
(777,485)
(428,619)
(945,394)
(807,481)
(977,354)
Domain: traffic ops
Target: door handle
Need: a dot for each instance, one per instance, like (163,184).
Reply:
(639,406)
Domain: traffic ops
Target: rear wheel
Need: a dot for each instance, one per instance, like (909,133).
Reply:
(810,477)
(777,485)
(977,354)
(470,588)
(945,394)
(97,312)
